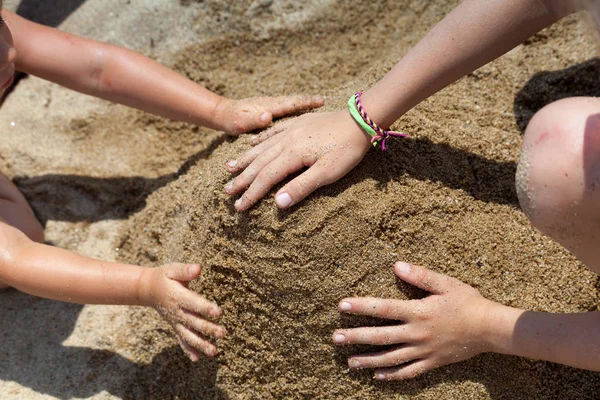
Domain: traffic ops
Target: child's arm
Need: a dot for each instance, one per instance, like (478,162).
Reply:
(473,34)
(58,274)
(455,323)
(123,76)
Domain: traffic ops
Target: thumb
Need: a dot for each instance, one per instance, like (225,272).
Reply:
(422,277)
(183,272)
(264,119)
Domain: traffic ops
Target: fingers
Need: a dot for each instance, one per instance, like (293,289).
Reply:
(283,105)
(272,131)
(380,308)
(192,339)
(388,358)
(243,180)
(268,177)
(297,189)
(380,335)
(407,371)
(189,351)
(275,107)
(194,302)
(197,323)
(183,272)
(237,165)
(423,278)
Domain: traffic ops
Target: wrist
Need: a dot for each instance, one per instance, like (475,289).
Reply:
(498,326)
(218,114)
(144,287)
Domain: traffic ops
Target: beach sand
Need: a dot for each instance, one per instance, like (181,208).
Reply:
(444,198)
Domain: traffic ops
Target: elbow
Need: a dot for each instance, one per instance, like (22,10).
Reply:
(15,244)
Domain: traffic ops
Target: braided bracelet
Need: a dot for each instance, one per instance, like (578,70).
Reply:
(377,133)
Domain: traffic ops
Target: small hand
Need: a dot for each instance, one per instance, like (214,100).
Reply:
(330,144)
(446,327)
(240,116)
(165,289)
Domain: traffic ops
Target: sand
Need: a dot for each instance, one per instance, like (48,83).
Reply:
(444,198)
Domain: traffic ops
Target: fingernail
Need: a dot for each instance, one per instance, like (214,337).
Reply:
(215,312)
(403,267)
(228,187)
(339,338)
(283,200)
(192,269)
(265,117)
(354,363)
(238,203)
(253,138)
(379,376)
(345,306)
(319,98)
(231,163)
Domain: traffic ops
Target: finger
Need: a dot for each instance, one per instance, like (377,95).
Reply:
(237,165)
(375,335)
(407,371)
(268,177)
(192,301)
(388,358)
(189,351)
(243,180)
(195,341)
(197,323)
(423,278)
(300,187)
(272,131)
(284,105)
(380,308)
(183,272)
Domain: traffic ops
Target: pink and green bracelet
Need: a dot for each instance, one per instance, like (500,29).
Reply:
(377,133)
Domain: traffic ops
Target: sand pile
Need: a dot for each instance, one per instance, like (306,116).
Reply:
(443,198)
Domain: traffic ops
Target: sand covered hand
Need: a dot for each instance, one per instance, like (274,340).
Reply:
(190,315)
(329,144)
(446,327)
(240,116)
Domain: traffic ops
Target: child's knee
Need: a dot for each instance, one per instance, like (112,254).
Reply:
(558,175)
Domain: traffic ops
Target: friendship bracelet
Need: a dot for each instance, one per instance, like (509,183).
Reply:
(377,133)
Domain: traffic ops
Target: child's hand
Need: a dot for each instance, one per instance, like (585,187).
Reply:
(446,327)
(240,116)
(330,144)
(165,289)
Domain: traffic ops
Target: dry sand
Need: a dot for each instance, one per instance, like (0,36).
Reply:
(444,198)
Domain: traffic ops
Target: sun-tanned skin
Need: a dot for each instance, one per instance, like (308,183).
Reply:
(129,78)
(557,182)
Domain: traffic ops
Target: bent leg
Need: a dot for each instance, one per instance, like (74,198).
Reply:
(558,176)
(15,211)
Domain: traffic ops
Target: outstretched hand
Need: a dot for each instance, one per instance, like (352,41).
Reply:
(190,314)
(245,115)
(329,144)
(446,327)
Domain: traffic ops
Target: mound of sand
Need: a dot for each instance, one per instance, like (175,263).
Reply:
(444,198)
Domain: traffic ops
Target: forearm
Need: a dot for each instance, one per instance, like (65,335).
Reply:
(110,72)
(570,339)
(137,81)
(473,34)
(58,274)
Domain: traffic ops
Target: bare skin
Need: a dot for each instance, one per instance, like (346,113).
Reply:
(129,78)
(557,181)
